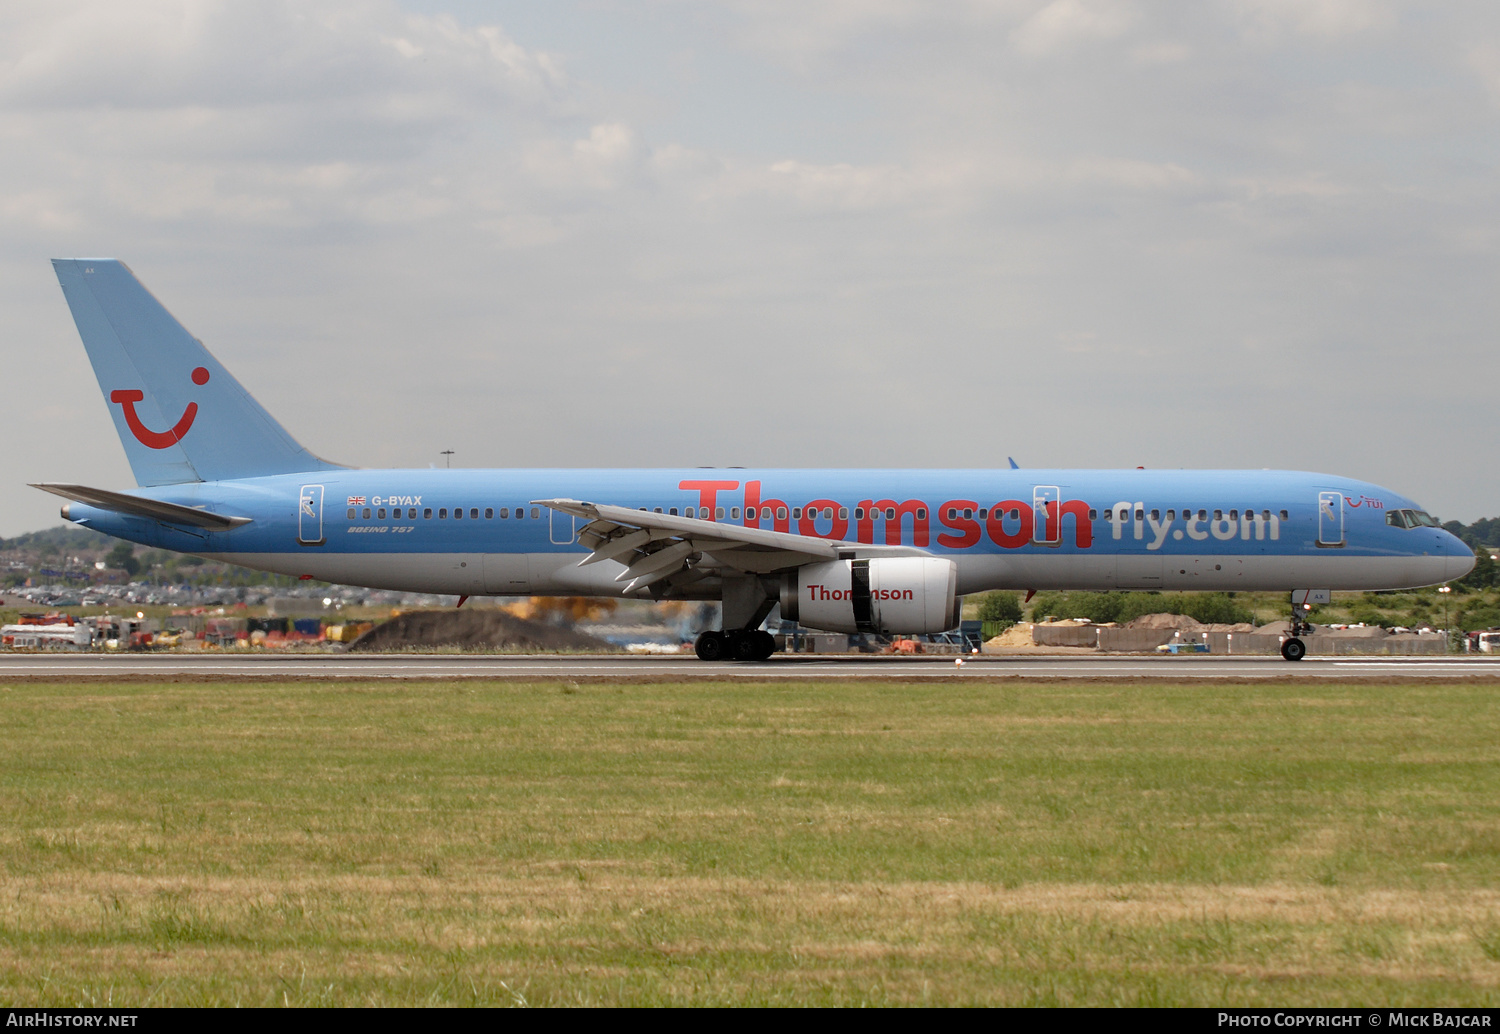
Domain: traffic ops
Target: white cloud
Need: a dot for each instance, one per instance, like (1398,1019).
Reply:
(1327,18)
(1063,24)
(1484,59)
(601,161)
(185,53)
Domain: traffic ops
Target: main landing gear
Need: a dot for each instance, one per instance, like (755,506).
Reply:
(735,646)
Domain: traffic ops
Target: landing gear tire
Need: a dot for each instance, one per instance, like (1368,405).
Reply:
(1293,649)
(742,646)
(711,646)
(765,645)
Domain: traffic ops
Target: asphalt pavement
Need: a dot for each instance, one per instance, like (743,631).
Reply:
(511,667)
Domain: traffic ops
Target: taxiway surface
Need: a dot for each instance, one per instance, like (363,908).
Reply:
(18,667)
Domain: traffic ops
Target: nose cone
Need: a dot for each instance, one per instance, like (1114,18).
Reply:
(1458,559)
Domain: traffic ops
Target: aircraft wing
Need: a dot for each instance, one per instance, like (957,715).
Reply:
(653,546)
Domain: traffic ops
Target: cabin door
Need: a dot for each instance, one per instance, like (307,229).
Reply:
(310,516)
(1330,520)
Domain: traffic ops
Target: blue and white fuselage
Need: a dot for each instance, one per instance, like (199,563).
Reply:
(876,550)
(475,532)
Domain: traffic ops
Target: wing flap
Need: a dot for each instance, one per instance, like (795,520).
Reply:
(625,535)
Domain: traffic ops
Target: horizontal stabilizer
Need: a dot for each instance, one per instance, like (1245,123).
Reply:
(119,502)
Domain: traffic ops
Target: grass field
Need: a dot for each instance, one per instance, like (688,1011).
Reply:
(963,843)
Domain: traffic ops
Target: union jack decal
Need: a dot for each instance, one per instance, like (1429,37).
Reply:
(356,500)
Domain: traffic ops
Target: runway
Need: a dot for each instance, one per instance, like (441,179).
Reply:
(517,668)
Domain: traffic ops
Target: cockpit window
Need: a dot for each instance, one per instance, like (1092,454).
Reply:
(1411,519)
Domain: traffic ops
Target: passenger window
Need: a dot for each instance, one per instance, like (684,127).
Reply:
(1234,515)
(1203,515)
(396,514)
(442,513)
(921,513)
(474,513)
(952,513)
(351,513)
(673,511)
(796,513)
(781,513)
(411,514)
(1093,514)
(489,513)
(718,513)
(536,511)
(1015,514)
(843,513)
(458,513)
(380,514)
(658,510)
(1285,516)
(1171,515)
(890,513)
(734,513)
(828,512)
(859,513)
(985,514)
(968,513)
(750,513)
(1140,515)
(367,513)
(521,512)
(1218,515)
(505,513)
(427,513)
(1156,515)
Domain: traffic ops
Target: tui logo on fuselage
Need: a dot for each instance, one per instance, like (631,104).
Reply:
(127,398)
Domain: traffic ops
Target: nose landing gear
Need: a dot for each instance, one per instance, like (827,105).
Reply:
(1292,647)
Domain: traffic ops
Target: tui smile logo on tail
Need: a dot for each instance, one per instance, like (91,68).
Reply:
(157,439)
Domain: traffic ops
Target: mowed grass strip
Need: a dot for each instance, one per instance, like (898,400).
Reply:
(471,843)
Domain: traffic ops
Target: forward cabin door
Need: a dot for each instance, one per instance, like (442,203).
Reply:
(1330,520)
(1046,519)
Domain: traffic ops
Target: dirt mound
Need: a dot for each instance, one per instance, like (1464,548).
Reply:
(1177,621)
(477,629)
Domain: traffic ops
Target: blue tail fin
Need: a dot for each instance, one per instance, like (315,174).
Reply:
(181,416)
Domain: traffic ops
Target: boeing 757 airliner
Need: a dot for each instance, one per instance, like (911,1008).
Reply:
(882,551)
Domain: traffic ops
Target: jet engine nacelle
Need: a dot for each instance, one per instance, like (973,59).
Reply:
(888,595)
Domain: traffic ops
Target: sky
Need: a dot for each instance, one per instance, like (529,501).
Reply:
(1083,233)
